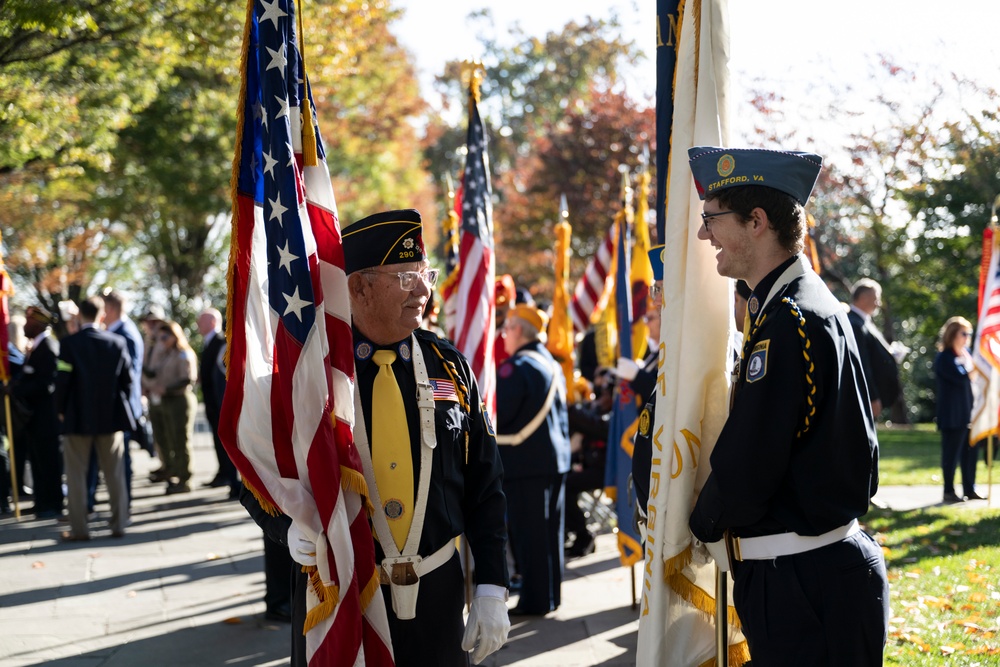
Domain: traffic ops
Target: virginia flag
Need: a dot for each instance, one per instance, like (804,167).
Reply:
(288,409)
(676,623)
(986,348)
(624,413)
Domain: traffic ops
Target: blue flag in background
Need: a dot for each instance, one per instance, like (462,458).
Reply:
(624,413)
(668,21)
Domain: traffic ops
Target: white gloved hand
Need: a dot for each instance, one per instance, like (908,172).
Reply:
(487,627)
(301,548)
(626,369)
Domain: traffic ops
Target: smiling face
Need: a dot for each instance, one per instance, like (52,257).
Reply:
(382,309)
(730,235)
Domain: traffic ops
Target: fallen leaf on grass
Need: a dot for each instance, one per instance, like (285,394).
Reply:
(233,620)
(37,565)
(211,556)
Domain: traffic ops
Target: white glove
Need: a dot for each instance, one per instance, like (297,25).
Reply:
(302,549)
(487,627)
(626,369)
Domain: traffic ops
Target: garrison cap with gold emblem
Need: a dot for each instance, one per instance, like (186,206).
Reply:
(792,172)
(536,318)
(391,237)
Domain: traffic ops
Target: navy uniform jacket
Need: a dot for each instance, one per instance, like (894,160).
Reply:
(36,388)
(954,391)
(788,459)
(466,494)
(522,385)
(95,381)
(642,452)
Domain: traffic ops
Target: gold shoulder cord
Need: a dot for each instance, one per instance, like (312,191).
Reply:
(810,366)
(460,388)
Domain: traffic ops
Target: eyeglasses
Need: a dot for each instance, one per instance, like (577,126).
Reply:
(707,218)
(408,279)
(966,334)
(655,291)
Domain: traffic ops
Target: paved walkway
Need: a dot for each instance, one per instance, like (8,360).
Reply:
(185,587)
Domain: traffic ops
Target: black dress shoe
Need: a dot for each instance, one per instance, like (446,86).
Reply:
(950,498)
(974,496)
(281,613)
(583,546)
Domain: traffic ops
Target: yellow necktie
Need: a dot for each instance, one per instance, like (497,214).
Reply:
(391,458)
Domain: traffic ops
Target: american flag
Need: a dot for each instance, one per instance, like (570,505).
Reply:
(288,408)
(472,326)
(6,289)
(444,390)
(592,288)
(986,347)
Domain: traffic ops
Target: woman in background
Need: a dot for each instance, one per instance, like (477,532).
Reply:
(168,382)
(953,368)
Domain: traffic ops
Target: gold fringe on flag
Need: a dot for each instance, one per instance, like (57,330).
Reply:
(354,481)
(328,596)
(739,655)
(700,599)
(264,503)
(370,590)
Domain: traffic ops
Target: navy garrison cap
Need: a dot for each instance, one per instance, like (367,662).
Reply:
(656,259)
(391,237)
(792,172)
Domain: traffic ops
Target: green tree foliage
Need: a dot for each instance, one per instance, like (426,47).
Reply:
(535,93)
(580,156)
(75,74)
(367,100)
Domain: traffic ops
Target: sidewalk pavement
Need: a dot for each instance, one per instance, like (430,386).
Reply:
(185,587)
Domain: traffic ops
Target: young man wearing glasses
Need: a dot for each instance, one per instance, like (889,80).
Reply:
(797,460)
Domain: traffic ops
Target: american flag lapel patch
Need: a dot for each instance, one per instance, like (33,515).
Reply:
(444,390)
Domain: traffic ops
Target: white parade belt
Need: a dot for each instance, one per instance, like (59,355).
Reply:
(405,570)
(767,547)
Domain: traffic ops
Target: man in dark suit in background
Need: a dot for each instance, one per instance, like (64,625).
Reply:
(214,343)
(95,381)
(117,322)
(881,373)
(36,389)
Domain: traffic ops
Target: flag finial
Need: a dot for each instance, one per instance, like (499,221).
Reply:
(563,208)
(626,192)
(993,211)
(472,77)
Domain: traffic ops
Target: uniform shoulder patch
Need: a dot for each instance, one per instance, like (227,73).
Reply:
(486,420)
(645,421)
(757,361)
(506,370)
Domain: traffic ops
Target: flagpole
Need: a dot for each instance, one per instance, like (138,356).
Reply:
(721,618)
(989,441)
(12,461)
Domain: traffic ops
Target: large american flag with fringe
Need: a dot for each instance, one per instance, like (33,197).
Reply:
(472,326)
(288,409)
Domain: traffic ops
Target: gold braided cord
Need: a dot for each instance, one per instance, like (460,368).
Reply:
(235,176)
(310,155)
(460,388)
(810,366)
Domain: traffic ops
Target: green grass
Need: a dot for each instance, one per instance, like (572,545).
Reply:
(912,455)
(944,578)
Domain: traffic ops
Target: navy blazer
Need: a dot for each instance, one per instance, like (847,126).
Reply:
(522,385)
(94,382)
(954,391)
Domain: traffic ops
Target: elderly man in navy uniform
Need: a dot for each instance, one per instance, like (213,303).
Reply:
(533,431)
(429,455)
(797,460)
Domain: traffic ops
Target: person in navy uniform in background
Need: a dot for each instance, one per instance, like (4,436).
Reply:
(796,463)
(36,388)
(533,431)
